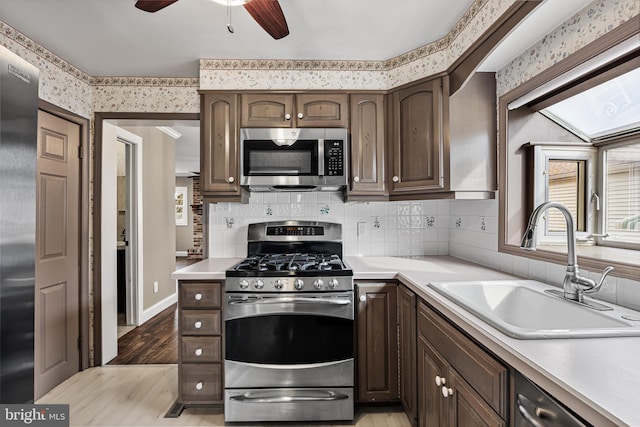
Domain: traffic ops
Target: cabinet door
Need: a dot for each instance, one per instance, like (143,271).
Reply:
(367,145)
(432,408)
(407,348)
(267,110)
(219,157)
(467,408)
(417,152)
(377,342)
(322,110)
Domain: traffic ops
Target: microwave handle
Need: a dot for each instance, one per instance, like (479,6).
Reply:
(320,157)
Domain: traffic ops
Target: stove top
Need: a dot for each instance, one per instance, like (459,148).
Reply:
(292,263)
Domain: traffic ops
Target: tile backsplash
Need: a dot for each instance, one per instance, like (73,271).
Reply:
(368,228)
(463,229)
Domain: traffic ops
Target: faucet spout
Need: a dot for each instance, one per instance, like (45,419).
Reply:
(574,285)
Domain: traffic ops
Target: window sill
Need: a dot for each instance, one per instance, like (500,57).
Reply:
(625,261)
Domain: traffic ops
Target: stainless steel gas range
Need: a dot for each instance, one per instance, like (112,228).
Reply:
(289,314)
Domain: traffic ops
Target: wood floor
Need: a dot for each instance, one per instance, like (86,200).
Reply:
(155,341)
(141,395)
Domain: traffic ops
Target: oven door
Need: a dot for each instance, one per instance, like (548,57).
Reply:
(289,340)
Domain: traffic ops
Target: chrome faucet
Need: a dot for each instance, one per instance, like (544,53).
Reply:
(574,285)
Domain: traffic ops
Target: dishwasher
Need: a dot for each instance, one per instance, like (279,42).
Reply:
(535,408)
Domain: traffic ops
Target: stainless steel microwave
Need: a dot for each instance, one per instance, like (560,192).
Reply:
(293,159)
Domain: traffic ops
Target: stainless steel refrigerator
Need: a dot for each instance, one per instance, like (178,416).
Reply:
(18,145)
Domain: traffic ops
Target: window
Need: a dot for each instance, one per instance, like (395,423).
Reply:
(621,181)
(602,189)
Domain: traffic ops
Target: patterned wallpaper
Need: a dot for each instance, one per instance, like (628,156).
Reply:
(584,27)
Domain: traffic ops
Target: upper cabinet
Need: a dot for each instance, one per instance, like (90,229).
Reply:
(416,151)
(295,110)
(367,174)
(441,146)
(219,148)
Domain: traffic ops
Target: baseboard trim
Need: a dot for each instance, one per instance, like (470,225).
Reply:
(158,308)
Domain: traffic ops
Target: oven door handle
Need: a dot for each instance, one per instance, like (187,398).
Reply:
(328,396)
(291,300)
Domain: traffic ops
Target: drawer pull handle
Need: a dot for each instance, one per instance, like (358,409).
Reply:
(198,324)
(395,179)
(363,298)
(198,352)
(287,116)
(198,296)
(199,385)
(300,115)
(440,381)
(446,392)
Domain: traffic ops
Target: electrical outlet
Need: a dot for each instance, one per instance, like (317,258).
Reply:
(155,287)
(362,228)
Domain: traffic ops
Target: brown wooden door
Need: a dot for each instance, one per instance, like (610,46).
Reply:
(57,263)
(267,110)
(322,110)
(417,154)
(377,342)
(219,151)
(367,145)
(467,407)
(407,346)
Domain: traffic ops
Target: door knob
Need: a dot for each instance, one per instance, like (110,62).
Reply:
(231,179)
(446,392)
(198,324)
(198,352)
(395,179)
(440,380)
(199,385)
(356,179)
(287,116)
(198,296)
(300,115)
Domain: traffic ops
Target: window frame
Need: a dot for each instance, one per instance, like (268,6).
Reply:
(514,164)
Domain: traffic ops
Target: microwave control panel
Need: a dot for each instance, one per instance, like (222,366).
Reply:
(333,158)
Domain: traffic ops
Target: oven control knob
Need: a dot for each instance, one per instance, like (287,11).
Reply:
(277,284)
(244,284)
(333,283)
(298,284)
(259,284)
(318,284)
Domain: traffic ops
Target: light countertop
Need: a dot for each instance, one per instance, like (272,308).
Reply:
(599,378)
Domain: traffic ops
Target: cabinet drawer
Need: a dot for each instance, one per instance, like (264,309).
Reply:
(201,349)
(200,322)
(480,370)
(201,382)
(195,295)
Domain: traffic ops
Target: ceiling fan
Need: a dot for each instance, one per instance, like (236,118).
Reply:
(267,13)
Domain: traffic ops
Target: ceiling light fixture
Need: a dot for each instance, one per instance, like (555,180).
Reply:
(231,2)
(169,131)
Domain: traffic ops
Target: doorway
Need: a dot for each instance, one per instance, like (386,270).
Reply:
(155,290)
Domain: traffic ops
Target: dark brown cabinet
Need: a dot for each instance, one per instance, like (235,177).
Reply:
(219,150)
(459,383)
(417,155)
(377,352)
(200,367)
(367,175)
(407,340)
(294,110)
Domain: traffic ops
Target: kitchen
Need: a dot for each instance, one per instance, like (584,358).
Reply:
(465,229)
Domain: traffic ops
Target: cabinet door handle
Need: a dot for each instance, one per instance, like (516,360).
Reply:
(356,179)
(231,180)
(198,296)
(440,381)
(198,324)
(395,179)
(198,352)
(446,392)
(363,298)
(199,385)
(287,116)
(300,115)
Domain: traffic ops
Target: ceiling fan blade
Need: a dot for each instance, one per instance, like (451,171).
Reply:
(269,15)
(153,5)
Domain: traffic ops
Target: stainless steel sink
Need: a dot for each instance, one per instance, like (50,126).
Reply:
(521,309)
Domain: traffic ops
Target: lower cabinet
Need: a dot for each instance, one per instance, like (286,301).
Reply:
(459,384)
(407,341)
(200,368)
(377,352)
